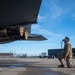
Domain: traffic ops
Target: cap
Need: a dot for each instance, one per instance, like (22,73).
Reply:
(66,38)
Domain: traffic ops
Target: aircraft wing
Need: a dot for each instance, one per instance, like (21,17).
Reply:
(37,38)
(18,12)
(16,18)
(32,37)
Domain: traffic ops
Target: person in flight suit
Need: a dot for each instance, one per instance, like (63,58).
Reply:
(67,54)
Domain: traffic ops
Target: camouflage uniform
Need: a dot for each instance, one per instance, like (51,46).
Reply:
(68,54)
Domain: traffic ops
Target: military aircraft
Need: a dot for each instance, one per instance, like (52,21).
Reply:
(16,18)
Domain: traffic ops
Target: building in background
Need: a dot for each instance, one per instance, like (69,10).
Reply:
(6,55)
(54,52)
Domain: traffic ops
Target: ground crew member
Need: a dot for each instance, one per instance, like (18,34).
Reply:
(67,54)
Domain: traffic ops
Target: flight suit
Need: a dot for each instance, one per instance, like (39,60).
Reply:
(68,54)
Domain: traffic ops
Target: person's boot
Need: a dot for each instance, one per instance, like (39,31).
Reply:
(71,66)
(61,66)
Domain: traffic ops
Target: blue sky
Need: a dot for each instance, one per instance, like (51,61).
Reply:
(56,20)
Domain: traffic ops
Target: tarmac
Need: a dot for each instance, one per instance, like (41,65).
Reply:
(33,66)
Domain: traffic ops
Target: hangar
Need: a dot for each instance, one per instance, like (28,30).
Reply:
(55,52)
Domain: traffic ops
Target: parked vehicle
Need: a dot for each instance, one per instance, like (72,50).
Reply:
(43,55)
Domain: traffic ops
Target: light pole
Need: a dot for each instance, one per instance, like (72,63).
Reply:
(61,44)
